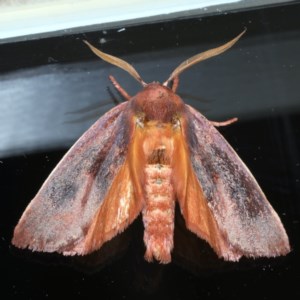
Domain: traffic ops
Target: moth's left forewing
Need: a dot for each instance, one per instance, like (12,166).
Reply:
(239,219)
(88,198)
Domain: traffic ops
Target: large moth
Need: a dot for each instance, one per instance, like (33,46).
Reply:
(141,157)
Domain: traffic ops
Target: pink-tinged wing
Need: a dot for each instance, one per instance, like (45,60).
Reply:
(246,223)
(63,211)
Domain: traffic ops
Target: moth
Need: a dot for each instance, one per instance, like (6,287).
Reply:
(141,157)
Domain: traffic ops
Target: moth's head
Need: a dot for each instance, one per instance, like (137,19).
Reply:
(156,102)
(174,75)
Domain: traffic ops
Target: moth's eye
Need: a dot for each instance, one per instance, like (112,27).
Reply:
(140,120)
(176,123)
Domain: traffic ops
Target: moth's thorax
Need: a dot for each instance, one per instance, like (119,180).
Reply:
(158,138)
(157,102)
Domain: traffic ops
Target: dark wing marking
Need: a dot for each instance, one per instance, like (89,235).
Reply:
(59,216)
(248,224)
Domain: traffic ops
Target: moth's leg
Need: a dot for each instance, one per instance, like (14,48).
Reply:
(119,88)
(224,123)
(175,84)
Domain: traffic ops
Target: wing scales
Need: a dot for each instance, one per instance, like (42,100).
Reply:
(59,216)
(246,222)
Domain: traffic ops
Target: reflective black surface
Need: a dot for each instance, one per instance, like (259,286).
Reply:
(48,95)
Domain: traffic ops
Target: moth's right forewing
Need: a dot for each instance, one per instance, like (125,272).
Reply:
(59,216)
(247,225)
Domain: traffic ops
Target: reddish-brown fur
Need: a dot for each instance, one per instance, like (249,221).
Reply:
(154,146)
(142,156)
(158,213)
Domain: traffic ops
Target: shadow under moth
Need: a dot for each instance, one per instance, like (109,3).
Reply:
(140,157)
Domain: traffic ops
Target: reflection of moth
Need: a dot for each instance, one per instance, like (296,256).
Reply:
(140,157)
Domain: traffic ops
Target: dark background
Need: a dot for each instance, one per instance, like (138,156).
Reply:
(52,89)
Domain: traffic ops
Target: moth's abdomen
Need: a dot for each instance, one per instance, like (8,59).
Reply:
(158,212)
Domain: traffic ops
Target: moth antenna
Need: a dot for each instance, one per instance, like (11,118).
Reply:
(117,62)
(200,57)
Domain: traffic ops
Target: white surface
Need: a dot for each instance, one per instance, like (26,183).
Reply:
(21,18)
